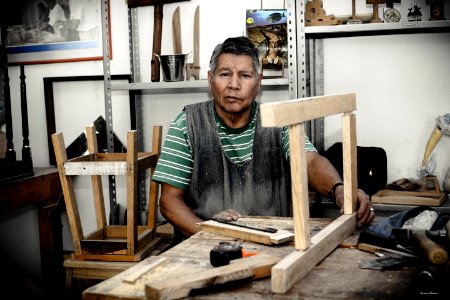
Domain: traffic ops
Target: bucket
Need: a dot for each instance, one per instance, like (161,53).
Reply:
(173,66)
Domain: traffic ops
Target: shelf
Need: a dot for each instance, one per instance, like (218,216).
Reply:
(377,29)
(189,86)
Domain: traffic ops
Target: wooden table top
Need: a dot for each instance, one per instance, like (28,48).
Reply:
(338,276)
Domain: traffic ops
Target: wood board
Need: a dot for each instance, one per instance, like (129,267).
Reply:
(279,237)
(180,285)
(409,198)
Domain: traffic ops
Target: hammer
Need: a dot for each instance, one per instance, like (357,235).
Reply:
(435,253)
(157,30)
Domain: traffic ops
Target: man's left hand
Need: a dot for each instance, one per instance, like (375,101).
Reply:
(365,212)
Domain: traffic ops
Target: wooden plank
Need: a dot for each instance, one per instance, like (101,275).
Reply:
(68,191)
(121,255)
(278,114)
(97,187)
(279,237)
(103,157)
(120,231)
(299,186)
(154,186)
(297,264)
(179,286)
(349,162)
(394,197)
(96,168)
(131,278)
(132,191)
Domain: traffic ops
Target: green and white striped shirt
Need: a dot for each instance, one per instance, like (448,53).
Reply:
(175,163)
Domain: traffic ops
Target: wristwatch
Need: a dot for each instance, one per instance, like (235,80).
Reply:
(332,192)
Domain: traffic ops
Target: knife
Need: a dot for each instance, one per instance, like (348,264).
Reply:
(193,69)
(176,32)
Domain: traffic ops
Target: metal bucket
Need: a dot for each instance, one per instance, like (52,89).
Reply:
(173,66)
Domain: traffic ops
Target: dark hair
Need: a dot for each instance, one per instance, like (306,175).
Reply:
(240,45)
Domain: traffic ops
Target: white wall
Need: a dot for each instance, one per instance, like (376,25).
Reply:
(401,81)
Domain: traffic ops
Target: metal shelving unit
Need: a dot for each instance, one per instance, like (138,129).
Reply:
(305,64)
(378,28)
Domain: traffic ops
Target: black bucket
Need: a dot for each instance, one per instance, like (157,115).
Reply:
(173,66)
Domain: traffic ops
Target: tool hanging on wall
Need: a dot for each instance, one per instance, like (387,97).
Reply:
(157,30)
(193,69)
(176,32)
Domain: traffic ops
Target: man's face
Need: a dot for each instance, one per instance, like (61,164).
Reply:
(234,85)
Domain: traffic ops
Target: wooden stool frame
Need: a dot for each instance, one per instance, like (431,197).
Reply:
(113,242)
(310,251)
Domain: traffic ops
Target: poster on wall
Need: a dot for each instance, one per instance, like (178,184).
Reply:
(48,31)
(267,28)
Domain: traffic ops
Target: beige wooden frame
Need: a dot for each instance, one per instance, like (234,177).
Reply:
(310,251)
(110,242)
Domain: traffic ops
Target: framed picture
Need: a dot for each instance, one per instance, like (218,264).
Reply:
(267,28)
(50,31)
(54,107)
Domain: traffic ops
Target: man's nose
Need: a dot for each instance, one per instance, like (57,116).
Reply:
(234,82)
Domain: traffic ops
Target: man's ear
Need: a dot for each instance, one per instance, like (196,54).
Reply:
(209,78)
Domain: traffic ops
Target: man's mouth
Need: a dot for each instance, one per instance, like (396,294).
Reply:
(232,99)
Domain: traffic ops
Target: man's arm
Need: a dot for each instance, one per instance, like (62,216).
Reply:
(174,209)
(322,176)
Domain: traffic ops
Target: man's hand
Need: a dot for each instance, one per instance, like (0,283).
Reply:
(364,214)
(227,215)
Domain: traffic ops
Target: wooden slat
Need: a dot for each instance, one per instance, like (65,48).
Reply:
(69,194)
(279,237)
(131,278)
(299,186)
(297,264)
(120,231)
(106,164)
(103,246)
(97,187)
(384,197)
(96,168)
(179,286)
(121,256)
(132,191)
(154,186)
(349,162)
(97,234)
(278,114)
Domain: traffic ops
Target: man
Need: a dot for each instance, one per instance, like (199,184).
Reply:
(219,163)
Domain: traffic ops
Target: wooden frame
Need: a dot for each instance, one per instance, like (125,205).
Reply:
(31,40)
(50,103)
(310,252)
(113,242)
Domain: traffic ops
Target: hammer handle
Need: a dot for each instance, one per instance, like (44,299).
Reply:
(435,253)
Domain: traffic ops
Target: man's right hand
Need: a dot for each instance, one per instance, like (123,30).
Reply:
(227,215)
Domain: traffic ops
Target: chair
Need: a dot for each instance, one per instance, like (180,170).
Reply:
(109,249)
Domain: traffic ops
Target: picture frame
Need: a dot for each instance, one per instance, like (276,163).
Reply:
(267,29)
(39,34)
(50,101)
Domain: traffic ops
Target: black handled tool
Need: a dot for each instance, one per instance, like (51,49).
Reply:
(248,226)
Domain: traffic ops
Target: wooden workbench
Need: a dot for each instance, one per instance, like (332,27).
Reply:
(338,276)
